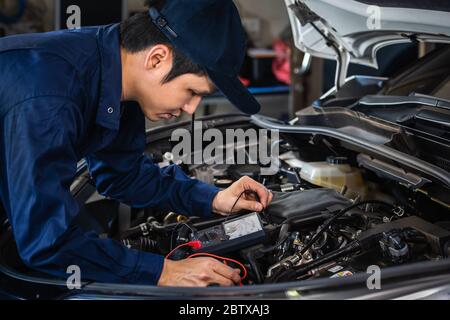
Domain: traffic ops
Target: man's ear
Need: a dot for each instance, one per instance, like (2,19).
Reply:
(157,56)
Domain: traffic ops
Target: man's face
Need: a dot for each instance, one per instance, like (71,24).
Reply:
(165,101)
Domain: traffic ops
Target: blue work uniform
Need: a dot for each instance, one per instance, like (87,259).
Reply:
(60,102)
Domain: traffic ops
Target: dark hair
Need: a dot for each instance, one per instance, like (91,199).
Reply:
(138,33)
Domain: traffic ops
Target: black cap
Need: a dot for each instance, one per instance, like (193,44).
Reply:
(210,33)
(337,160)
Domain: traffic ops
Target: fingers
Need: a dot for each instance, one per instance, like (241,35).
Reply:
(249,205)
(265,197)
(215,272)
(198,272)
(212,271)
(221,280)
(238,197)
(227,272)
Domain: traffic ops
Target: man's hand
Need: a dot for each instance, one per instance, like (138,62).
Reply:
(224,201)
(198,272)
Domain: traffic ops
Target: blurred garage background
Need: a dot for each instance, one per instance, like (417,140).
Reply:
(281,77)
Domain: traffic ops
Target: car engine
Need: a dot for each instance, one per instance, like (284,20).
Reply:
(332,216)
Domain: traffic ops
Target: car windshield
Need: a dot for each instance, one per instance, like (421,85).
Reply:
(443,91)
(430,76)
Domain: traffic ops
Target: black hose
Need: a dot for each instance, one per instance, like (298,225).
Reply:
(351,248)
(131,233)
(292,222)
(279,273)
(255,267)
(294,273)
(283,236)
(327,224)
(150,225)
(284,273)
(142,244)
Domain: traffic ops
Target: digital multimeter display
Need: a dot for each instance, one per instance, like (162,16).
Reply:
(231,235)
(242,227)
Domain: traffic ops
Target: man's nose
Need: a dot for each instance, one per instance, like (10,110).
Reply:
(192,105)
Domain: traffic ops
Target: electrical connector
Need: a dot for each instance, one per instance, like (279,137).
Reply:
(195,244)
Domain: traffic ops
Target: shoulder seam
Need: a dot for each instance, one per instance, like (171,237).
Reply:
(8,109)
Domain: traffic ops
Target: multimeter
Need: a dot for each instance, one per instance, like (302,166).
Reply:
(231,235)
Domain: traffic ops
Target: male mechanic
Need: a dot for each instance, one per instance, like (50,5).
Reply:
(69,95)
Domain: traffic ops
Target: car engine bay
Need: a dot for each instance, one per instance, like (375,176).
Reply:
(330,218)
(333,215)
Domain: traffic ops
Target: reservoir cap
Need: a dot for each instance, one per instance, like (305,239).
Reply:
(337,160)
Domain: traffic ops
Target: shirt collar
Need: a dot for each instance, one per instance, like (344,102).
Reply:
(109,107)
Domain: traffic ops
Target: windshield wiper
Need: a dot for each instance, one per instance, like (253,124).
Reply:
(402,100)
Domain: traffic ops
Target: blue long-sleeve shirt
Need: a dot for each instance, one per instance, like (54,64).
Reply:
(60,102)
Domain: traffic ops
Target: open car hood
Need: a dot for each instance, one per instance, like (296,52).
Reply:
(353,31)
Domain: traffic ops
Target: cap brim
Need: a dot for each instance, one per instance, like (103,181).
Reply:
(236,92)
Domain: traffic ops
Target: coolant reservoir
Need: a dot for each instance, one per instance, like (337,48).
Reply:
(336,174)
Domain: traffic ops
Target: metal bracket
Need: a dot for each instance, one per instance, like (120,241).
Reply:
(343,63)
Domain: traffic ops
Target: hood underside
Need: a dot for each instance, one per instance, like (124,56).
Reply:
(353,31)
